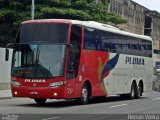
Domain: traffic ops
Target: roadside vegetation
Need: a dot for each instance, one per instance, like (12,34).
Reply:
(13,12)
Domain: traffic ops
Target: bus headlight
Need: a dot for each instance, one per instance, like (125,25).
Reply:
(56,84)
(15,83)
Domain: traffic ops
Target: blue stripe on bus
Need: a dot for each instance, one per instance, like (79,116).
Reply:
(110,65)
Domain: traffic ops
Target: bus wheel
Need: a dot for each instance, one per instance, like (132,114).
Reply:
(132,95)
(40,101)
(139,92)
(85,95)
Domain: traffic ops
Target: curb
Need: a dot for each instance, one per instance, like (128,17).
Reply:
(5,94)
(3,98)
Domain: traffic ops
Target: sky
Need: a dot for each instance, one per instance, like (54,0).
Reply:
(150,4)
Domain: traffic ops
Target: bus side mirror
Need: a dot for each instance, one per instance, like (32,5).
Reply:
(7,51)
(7,54)
(70,46)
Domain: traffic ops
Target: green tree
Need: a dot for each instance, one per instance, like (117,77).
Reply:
(13,12)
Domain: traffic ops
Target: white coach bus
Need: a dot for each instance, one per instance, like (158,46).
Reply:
(94,59)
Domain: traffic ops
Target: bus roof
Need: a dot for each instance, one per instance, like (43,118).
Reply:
(93,24)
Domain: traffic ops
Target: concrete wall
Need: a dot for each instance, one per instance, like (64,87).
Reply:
(156,33)
(134,13)
(130,11)
(5,69)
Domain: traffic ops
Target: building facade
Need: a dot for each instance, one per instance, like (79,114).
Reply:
(140,20)
(155,34)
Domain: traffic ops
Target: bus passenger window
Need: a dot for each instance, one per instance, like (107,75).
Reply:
(89,39)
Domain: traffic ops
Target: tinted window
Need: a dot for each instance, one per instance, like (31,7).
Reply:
(44,32)
(116,43)
(89,39)
(156,51)
(74,52)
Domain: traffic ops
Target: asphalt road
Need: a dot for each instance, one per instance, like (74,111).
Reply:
(112,108)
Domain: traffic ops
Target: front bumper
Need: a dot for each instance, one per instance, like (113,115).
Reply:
(39,92)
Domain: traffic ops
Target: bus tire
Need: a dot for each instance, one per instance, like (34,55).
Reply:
(85,95)
(138,92)
(40,101)
(132,95)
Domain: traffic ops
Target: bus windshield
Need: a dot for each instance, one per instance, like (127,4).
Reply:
(38,61)
(43,32)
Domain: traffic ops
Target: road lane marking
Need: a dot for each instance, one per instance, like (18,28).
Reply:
(156,99)
(51,118)
(118,105)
